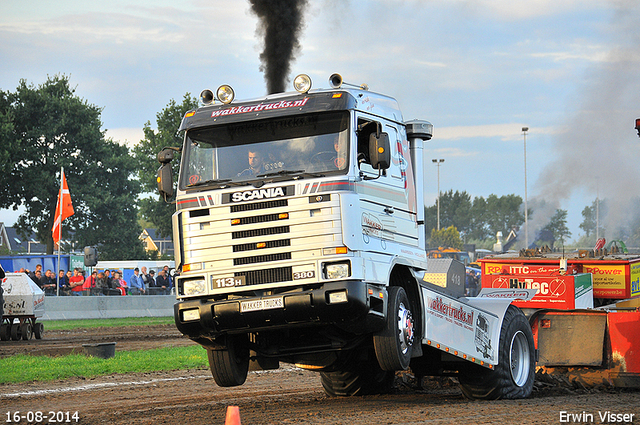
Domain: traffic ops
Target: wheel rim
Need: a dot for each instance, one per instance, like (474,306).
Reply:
(519,359)
(405,328)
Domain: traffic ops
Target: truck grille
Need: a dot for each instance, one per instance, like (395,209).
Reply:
(260,232)
(269,244)
(259,205)
(260,240)
(259,219)
(262,258)
(255,277)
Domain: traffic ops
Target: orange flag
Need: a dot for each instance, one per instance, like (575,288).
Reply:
(64,209)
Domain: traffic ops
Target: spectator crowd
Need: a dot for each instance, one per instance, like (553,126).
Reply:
(78,282)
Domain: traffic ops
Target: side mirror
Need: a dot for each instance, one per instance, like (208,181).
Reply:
(165,156)
(165,181)
(379,151)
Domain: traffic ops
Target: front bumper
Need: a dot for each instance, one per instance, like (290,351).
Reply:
(362,312)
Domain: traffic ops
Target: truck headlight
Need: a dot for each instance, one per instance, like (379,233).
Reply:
(337,270)
(194,287)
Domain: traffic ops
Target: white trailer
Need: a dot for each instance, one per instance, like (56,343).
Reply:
(300,237)
(23,304)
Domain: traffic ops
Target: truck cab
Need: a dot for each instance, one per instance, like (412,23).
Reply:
(299,233)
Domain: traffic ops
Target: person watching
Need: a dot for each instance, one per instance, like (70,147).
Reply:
(136,284)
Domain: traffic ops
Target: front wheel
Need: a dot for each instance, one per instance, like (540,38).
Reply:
(394,344)
(358,374)
(513,377)
(230,366)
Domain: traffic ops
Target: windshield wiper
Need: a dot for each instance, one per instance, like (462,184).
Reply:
(281,173)
(222,183)
(209,182)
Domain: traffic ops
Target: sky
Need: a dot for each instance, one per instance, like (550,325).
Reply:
(479,70)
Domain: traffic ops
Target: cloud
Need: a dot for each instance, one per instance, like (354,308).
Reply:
(126,136)
(506,132)
(519,10)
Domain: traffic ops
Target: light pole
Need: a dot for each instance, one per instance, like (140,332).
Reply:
(526,209)
(438,162)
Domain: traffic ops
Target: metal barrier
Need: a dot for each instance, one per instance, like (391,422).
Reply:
(96,307)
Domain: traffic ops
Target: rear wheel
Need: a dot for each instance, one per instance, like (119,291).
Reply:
(357,376)
(26,331)
(38,330)
(15,331)
(394,344)
(513,377)
(230,366)
(5,332)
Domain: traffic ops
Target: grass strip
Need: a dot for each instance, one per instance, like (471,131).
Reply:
(25,368)
(54,325)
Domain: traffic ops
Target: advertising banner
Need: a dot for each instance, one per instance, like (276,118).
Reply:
(558,292)
(609,280)
(635,279)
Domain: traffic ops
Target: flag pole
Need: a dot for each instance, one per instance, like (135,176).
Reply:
(60,195)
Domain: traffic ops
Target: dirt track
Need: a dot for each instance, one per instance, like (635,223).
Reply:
(285,396)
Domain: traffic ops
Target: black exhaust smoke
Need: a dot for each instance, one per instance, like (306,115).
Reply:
(281,24)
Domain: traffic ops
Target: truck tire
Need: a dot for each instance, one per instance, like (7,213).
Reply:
(15,332)
(5,332)
(26,331)
(357,377)
(394,344)
(513,377)
(38,330)
(229,367)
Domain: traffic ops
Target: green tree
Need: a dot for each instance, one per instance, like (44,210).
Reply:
(558,226)
(448,238)
(8,148)
(153,208)
(592,216)
(479,228)
(48,127)
(455,210)
(503,213)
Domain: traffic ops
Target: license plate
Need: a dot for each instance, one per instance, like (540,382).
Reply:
(262,304)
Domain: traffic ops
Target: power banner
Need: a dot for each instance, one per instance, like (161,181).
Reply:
(611,280)
(563,292)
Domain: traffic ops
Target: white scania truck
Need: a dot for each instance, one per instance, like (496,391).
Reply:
(299,238)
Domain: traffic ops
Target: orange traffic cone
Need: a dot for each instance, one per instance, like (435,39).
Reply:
(233,416)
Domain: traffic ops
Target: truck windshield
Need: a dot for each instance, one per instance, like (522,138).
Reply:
(254,150)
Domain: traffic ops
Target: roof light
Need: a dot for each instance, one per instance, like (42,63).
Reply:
(225,94)
(302,83)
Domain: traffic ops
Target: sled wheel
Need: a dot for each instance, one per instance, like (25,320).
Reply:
(26,331)
(357,377)
(230,366)
(394,344)
(38,330)
(5,332)
(15,331)
(513,377)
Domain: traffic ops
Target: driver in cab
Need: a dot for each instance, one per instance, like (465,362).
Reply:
(256,164)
